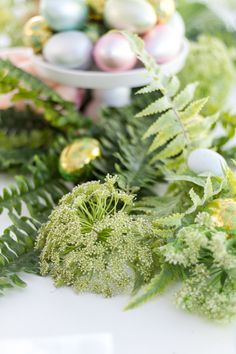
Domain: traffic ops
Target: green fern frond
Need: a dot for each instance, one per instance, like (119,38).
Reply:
(156,287)
(172,220)
(160,207)
(178,126)
(58,112)
(124,152)
(17,253)
(16,158)
(39,193)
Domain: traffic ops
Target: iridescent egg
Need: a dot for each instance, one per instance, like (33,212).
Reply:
(113,53)
(72,50)
(36,33)
(136,16)
(64,15)
(76,158)
(163,43)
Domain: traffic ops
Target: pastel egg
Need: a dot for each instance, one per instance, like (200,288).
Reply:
(163,43)
(177,23)
(202,161)
(64,15)
(113,53)
(72,50)
(136,16)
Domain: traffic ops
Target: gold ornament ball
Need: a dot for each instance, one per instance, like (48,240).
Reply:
(96,9)
(76,158)
(36,33)
(165,9)
(223,212)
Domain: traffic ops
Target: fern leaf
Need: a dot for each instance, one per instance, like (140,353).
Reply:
(161,105)
(175,147)
(193,109)
(58,112)
(164,137)
(169,221)
(185,97)
(156,287)
(153,87)
(172,86)
(179,127)
(39,194)
(162,123)
(17,253)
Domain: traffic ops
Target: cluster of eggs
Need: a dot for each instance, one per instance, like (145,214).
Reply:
(75,34)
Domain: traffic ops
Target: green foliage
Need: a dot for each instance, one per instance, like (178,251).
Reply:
(157,286)
(200,19)
(17,253)
(209,63)
(124,152)
(178,127)
(23,134)
(58,112)
(225,142)
(38,192)
(208,260)
(197,250)
(92,243)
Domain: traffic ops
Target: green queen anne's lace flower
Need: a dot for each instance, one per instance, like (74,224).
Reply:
(92,243)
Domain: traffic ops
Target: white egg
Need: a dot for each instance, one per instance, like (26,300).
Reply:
(72,50)
(163,43)
(136,16)
(177,23)
(202,161)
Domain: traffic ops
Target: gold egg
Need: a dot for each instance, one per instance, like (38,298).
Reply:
(36,33)
(165,9)
(77,156)
(223,212)
(96,9)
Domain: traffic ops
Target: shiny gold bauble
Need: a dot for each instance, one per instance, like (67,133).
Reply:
(96,9)
(76,158)
(223,212)
(165,9)
(36,33)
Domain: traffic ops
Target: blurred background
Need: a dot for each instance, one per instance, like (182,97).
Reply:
(215,17)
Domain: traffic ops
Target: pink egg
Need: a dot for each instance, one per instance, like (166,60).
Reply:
(163,43)
(113,53)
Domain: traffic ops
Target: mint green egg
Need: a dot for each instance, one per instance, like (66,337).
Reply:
(64,15)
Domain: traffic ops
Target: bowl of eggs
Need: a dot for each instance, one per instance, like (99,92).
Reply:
(74,45)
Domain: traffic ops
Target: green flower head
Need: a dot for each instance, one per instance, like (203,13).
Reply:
(92,243)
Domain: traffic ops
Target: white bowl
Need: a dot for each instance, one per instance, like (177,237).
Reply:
(104,80)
